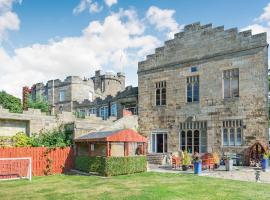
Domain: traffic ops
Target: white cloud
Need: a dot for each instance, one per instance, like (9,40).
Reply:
(8,19)
(163,20)
(261,24)
(117,41)
(93,7)
(265,16)
(110,2)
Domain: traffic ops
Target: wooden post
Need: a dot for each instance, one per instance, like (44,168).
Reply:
(126,150)
(89,149)
(107,149)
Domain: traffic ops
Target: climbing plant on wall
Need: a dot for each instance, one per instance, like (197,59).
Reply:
(12,103)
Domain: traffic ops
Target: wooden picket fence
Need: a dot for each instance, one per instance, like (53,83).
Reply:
(45,161)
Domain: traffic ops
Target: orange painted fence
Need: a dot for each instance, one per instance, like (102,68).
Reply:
(45,161)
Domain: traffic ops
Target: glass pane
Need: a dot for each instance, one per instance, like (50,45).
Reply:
(225,137)
(189,92)
(163,96)
(158,97)
(165,142)
(196,91)
(235,87)
(153,143)
(227,88)
(232,143)
(239,136)
(183,138)
(203,149)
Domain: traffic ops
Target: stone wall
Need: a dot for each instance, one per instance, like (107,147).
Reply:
(211,50)
(34,121)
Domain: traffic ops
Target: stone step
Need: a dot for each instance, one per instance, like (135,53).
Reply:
(154,158)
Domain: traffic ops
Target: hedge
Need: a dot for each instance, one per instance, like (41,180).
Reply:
(111,166)
(90,164)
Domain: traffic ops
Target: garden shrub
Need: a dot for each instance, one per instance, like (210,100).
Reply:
(21,140)
(125,165)
(111,166)
(90,164)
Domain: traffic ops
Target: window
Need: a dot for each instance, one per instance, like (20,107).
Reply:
(232,133)
(161,93)
(193,69)
(193,89)
(231,83)
(90,96)
(193,137)
(92,111)
(104,112)
(82,113)
(114,109)
(62,96)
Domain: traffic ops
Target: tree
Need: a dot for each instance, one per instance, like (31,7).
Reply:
(12,103)
(39,104)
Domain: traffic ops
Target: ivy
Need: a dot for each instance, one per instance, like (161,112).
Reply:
(12,103)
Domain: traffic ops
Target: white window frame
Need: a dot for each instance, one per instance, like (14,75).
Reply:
(155,133)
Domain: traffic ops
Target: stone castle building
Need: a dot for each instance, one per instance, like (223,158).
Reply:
(205,91)
(122,104)
(61,95)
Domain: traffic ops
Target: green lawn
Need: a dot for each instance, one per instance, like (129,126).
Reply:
(137,186)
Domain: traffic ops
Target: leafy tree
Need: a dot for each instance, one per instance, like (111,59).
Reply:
(10,102)
(39,104)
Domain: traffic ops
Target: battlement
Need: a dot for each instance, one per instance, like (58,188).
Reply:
(108,75)
(198,41)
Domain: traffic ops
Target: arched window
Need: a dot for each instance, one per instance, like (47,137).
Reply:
(225,137)
(196,143)
(232,141)
(183,141)
(239,137)
(189,141)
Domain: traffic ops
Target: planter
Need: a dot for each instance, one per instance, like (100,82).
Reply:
(184,167)
(264,164)
(229,165)
(197,167)
(216,166)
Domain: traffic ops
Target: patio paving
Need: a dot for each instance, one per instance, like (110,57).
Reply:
(238,173)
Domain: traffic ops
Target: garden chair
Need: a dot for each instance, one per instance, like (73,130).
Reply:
(175,162)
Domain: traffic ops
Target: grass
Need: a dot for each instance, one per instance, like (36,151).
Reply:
(137,186)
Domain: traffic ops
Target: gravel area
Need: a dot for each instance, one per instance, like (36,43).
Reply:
(239,173)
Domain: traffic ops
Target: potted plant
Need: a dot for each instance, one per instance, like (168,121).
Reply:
(216,160)
(265,161)
(186,161)
(197,164)
(228,163)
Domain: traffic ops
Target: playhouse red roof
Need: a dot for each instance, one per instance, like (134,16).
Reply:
(123,135)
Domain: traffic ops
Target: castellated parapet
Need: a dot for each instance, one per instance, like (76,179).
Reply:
(199,42)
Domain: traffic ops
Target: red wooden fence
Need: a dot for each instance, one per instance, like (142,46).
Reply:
(45,160)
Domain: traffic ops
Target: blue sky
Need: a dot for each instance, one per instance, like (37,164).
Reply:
(46,39)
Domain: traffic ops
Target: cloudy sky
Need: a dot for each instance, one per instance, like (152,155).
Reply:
(47,39)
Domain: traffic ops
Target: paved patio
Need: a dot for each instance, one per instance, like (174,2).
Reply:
(239,173)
